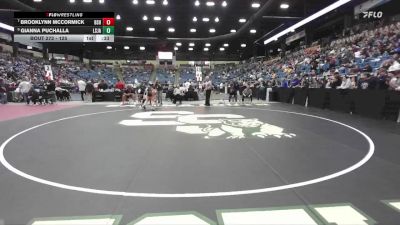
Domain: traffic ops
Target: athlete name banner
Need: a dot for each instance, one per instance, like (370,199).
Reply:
(64,27)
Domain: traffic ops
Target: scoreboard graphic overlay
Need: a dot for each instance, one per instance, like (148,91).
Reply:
(64,27)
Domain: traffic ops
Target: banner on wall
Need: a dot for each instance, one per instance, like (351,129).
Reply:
(49,72)
(295,37)
(199,74)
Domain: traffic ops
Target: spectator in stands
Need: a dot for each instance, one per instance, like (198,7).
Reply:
(346,83)
(394,71)
(120,85)
(336,80)
(102,85)
(81,88)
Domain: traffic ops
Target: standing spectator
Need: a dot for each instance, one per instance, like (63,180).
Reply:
(82,87)
(159,89)
(208,88)
(89,89)
(3,92)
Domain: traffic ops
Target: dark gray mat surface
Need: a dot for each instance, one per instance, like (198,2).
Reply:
(97,152)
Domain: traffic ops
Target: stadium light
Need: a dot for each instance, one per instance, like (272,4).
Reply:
(210,4)
(194,19)
(226,45)
(152,29)
(169,18)
(206,19)
(307,20)
(253,31)
(178,44)
(242,20)
(212,30)
(190,49)
(284,6)
(101,1)
(224,4)
(40,1)
(165,2)
(193,30)
(85,1)
(150,2)
(191,44)
(206,49)
(157,18)
(129,28)
(135,2)
(171,30)
(233,31)
(71,1)
(208,45)
(109,47)
(142,48)
(28,47)
(222,49)
(6,27)
(243,45)
(255,5)
(216,19)
(118,17)
(176,48)
(197,3)
(145,18)
(126,47)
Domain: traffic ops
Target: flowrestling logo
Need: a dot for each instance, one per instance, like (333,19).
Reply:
(372,14)
(228,126)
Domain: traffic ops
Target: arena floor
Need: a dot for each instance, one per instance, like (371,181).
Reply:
(226,164)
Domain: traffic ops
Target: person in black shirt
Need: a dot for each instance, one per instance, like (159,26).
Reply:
(337,80)
(159,89)
(103,85)
(89,89)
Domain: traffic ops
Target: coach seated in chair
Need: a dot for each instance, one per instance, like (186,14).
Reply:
(102,85)
(247,93)
(190,94)
(128,93)
(178,94)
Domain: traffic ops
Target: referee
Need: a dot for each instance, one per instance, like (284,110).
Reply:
(208,88)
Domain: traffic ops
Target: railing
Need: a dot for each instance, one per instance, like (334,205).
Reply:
(379,104)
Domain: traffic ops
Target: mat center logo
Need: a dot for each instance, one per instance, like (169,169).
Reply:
(229,126)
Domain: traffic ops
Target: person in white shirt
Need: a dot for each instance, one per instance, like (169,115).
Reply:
(187,84)
(24,88)
(178,94)
(346,83)
(81,87)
